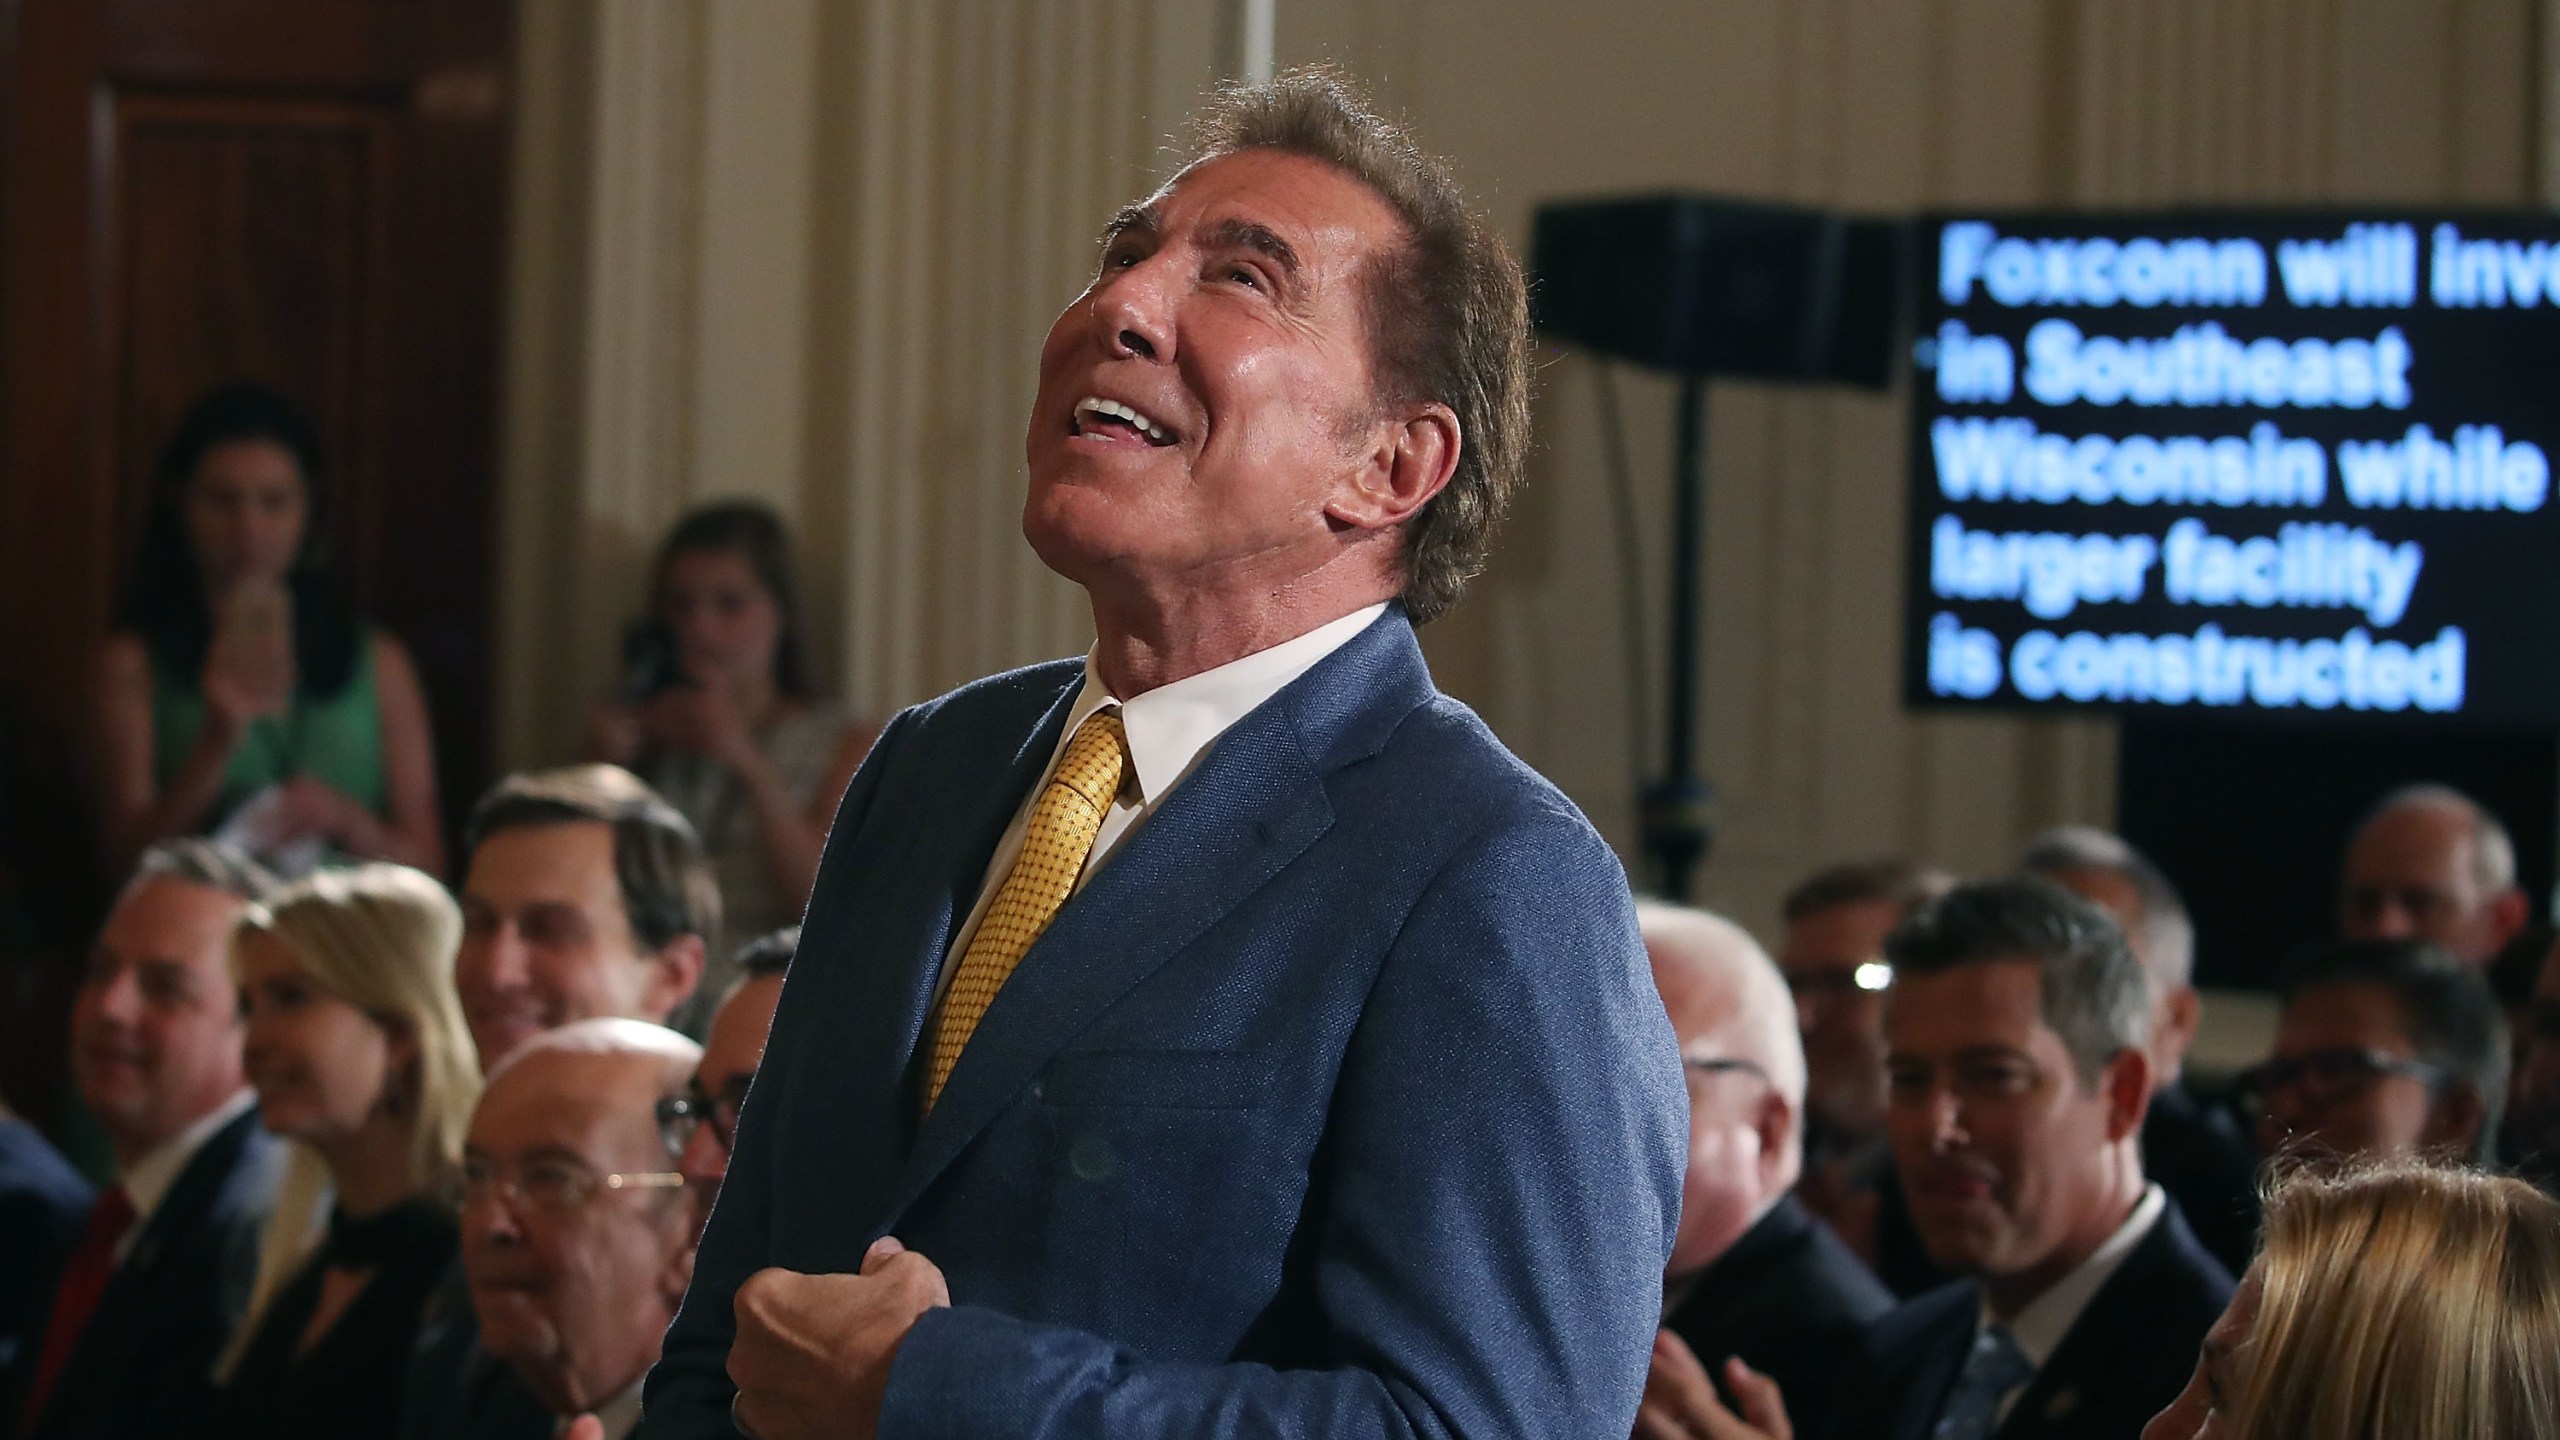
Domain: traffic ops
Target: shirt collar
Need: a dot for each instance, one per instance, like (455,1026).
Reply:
(2039,1328)
(1170,726)
(147,1180)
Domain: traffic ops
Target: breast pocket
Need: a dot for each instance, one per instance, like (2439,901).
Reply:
(1188,1169)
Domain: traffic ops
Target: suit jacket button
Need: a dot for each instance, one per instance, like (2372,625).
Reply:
(1090,1158)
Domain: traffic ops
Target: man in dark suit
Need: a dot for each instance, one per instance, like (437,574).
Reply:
(2018,1075)
(2192,1149)
(1752,1275)
(1234,1037)
(161,1272)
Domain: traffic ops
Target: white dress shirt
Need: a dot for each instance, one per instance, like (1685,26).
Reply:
(2039,1327)
(1169,729)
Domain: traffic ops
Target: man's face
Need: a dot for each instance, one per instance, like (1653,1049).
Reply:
(573,1281)
(730,1054)
(1729,1175)
(2002,1152)
(155,1026)
(1833,961)
(1228,314)
(2410,875)
(2334,1105)
(545,938)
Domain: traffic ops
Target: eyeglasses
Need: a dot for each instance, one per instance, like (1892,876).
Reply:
(548,1184)
(1720,1065)
(2326,1076)
(680,1115)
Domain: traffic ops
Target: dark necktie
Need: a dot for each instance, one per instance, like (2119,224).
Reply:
(84,1279)
(1994,1367)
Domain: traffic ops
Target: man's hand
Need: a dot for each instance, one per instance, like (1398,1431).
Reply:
(1680,1401)
(812,1354)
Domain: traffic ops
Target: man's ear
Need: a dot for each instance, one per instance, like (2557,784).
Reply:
(2126,1084)
(2509,911)
(2173,1027)
(1409,459)
(675,968)
(1780,1152)
(677,1274)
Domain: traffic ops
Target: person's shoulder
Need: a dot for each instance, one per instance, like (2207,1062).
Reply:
(2172,1273)
(1030,690)
(1837,1285)
(1923,1321)
(29,1161)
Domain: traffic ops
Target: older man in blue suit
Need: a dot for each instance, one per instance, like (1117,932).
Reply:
(1232,1035)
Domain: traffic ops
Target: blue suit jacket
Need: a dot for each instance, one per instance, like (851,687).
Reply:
(1338,1102)
(2122,1361)
(44,1204)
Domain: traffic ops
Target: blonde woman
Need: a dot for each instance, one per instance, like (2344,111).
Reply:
(2395,1301)
(356,1045)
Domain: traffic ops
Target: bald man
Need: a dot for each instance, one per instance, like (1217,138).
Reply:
(577,1228)
(2430,864)
(1751,1275)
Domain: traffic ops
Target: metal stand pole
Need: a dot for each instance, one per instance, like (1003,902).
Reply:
(1677,831)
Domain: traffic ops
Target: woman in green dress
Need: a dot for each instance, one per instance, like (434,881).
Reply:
(238,693)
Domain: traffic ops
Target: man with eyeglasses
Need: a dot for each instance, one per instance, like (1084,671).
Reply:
(699,1124)
(577,1231)
(2385,1048)
(1752,1276)
(1832,953)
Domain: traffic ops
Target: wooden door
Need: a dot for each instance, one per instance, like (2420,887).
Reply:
(309,193)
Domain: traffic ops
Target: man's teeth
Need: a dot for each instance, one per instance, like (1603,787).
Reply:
(1090,405)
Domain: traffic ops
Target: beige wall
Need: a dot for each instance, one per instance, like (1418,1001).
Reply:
(804,249)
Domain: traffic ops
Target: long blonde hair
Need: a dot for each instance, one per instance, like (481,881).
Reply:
(382,938)
(2403,1301)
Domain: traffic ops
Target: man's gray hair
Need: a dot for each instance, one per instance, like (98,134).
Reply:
(2493,851)
(213,864)
(2168,939)
(2090,989)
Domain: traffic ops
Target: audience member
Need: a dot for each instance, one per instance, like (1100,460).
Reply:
(2393,1301)
(357,1048)
(577,1236)
(150,1294)
(699,1124)
(1833,956)
(43,1204)
(2017,1051)
(2535,1124)
(585,896)
(1751,1274)
(2431,864)
(721,714)
(2193,1150)
(2385,1048)
(239,690)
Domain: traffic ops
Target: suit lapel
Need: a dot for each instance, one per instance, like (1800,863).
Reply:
(896,991)
(176,1225)
(1255,804)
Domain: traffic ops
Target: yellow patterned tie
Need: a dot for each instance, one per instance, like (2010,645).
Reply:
(1054,845)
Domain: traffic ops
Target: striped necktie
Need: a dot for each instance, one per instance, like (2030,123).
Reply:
(1054,846)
